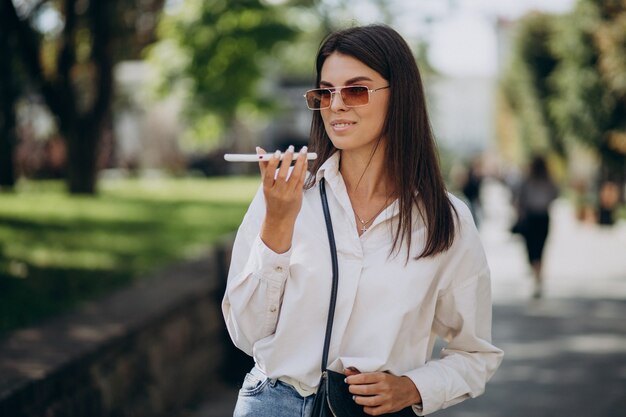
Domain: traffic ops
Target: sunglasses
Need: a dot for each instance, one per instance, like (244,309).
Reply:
(351,95)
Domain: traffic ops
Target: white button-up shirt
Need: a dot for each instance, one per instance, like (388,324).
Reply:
(388,311)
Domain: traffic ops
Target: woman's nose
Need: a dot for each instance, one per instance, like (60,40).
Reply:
(336,101)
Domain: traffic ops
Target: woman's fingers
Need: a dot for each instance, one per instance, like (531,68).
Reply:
(369,401)
(270,169)
(298,173)
(283,172)
(370,389)
(382,392)
(351,370)
(262,164)
(294,177)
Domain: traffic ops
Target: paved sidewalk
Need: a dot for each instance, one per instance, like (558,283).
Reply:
(565,355)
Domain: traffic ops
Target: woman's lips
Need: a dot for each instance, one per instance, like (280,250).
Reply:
(341,125)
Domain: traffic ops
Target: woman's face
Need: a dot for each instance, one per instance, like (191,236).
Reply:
(353,128)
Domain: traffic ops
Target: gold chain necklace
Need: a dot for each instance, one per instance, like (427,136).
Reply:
(365,223)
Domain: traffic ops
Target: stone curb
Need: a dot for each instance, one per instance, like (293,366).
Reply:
(143,350)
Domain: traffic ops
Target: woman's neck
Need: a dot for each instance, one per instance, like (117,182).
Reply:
(365,175)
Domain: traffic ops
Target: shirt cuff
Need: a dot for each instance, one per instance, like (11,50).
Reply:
(428,383)
(267,264)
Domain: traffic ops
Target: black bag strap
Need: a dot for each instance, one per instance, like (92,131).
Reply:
(335,266)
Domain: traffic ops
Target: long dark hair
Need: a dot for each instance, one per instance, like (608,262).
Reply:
(410,153)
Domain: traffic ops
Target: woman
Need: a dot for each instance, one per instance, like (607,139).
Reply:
(533,199)
(411,266)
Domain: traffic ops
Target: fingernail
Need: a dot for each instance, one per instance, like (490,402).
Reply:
(290,148)
(303,150)
(277,154)
(258,149)
(354,398)
(345,380)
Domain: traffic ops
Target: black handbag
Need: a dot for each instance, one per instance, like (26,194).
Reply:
(333,399)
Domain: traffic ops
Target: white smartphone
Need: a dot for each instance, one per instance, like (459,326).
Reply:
(252,157)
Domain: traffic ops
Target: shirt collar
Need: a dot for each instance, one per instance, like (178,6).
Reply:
(329,169)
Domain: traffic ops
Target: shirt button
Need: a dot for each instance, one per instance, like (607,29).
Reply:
(278,269)
(273,309)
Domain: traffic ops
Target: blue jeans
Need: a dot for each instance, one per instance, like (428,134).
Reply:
(261,396)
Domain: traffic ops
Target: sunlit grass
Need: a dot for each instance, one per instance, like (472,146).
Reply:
(57,250)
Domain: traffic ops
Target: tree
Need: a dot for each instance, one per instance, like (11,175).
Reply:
(567,82)
(216,52)
(527,84)
(9,91)
(72,69)
(590,104)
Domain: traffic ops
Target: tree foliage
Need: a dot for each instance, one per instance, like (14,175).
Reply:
(216,52)
(567,83)
(590,106)
(527,85)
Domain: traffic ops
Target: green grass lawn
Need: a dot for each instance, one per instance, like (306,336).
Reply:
(57,250)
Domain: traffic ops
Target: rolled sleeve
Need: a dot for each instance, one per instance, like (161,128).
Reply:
(254,292)
(266,264)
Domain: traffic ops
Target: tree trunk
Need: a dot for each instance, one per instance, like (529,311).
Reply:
(83,135)
(7,138)
(82,151)
(8,95)
(7,146)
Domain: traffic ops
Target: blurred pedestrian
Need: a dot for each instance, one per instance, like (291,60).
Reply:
(533,198)
(410,262)
(471,189)
(607,203)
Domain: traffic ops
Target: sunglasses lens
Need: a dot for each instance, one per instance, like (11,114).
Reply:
(355,96)
(318,99)
(352,96)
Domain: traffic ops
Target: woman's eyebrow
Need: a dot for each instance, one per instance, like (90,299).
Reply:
(351,81)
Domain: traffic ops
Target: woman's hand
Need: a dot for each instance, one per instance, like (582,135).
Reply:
(381,392)
(283,197)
